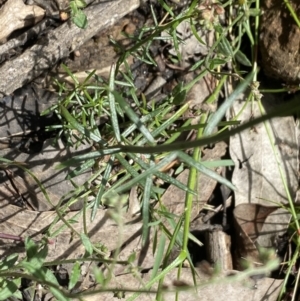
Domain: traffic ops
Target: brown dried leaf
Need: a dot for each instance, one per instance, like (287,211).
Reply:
(256,174)
(249,221)
(43,166)
(221,290)
(20,222)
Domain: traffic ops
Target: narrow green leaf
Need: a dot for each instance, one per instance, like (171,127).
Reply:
(30,247)
(76,125)
(145,209)
(210,173)
(8,261)
(71,74)
(217,163)
(154,237)
(89,156)
(242,58)
(159,255)
(112,104)
(178,88)
(167,123)
(35,270)
(168,159)
(216,62)
(134,117)
(75,275)
(35,255)
(131,258)
(254,12)
(202,125)
(196,35)
(225,47)
(54,290)
(146,118)
(87,165)
(41,255)
(98,274)
(87,244)
(7,289)
(180,97)
(219,114)
(163,176)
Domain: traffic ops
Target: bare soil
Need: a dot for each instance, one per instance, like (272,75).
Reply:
(280,41)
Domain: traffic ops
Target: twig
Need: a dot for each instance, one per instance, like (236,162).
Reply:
(30,34)
(10,236)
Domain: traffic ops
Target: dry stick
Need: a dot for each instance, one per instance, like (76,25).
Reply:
(30,34)
(10,236)
(57,44)
(15,15)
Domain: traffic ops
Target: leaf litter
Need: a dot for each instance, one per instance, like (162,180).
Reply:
(258,179)
(255,177)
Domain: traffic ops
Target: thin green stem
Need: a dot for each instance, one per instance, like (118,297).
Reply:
(292,11)
(255,46)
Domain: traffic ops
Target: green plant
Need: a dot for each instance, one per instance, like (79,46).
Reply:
(78,16)
(143,140)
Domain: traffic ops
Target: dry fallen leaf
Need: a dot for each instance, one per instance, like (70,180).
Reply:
(43,166)
(256,174)
(249,221)
(103,229)
(221,290)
